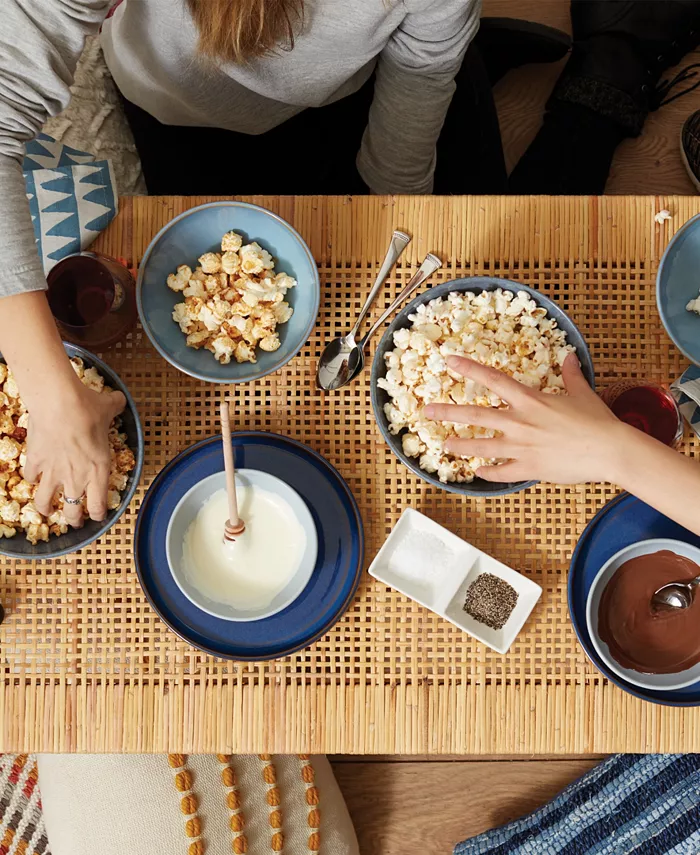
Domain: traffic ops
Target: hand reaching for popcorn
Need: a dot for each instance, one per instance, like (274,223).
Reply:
(68,441)
(544,437)
(569,439)
(74,457)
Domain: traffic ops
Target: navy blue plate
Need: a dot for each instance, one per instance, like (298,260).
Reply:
(623,521)
(340,548)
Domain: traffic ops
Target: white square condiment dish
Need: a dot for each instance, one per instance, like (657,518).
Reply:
(434,567)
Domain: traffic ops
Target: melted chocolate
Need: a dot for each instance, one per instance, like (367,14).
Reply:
(653,642)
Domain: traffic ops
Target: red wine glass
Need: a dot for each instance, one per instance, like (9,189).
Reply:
(648,407)
(93,299)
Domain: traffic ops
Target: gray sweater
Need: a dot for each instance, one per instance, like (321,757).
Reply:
(416,46)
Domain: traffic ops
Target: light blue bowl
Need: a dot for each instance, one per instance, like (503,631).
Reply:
(187,509)
(678,282)
(200,230)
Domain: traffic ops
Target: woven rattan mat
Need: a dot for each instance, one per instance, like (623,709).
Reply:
(87,665)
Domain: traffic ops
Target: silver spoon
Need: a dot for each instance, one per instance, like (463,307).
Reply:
(338,360)
(430,264)
(675,595)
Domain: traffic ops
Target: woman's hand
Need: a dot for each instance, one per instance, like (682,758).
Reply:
(68,449)
(565,439)
(67,439)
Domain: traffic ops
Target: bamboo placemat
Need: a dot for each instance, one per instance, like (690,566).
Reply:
(87,665)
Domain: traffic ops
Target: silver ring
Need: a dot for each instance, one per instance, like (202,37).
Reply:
(73,501)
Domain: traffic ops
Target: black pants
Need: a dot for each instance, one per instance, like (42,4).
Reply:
(315,152)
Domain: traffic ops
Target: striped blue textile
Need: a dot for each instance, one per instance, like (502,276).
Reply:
(631,804)
(686,391)
(72,197)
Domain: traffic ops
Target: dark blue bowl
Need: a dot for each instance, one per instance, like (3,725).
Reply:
(677,282)
(78,538)
(199,230)
(477,284)
(623,521)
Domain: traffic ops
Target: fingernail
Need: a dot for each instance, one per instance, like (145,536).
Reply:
(429,411)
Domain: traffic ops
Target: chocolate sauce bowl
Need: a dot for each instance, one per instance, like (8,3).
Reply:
(599,623)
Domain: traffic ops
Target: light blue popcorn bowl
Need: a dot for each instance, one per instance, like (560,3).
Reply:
(182,241)
(678,282)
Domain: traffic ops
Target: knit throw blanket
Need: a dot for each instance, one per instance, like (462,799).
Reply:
(632,804)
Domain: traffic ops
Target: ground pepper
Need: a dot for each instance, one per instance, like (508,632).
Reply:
(490,600)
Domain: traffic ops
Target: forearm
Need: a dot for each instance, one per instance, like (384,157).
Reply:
(32,347)
(658,475)
(398,148)
(413,89)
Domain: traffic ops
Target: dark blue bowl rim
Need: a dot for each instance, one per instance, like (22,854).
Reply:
(643,694)
(662,264)
(259,374)
(128,495)
(469,283)
(338,612)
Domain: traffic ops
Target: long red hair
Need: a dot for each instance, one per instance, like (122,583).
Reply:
(237,30)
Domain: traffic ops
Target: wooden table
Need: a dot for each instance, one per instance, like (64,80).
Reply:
(87,665)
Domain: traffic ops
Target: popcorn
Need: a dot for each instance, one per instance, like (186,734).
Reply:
(694,305)
(500,329)
(178,281)
(231,242)
(93,380)
(210,262)
(9,449)
(17,509)
(35,533)
(234,301)
(230,262)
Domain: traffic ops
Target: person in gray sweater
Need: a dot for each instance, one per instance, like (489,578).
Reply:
(243,66)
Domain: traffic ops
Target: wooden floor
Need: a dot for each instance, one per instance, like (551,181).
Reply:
(423,805)
(649,164)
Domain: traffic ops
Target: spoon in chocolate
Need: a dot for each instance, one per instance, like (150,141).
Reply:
(675,595)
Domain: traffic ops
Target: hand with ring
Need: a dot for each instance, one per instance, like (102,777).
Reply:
(72,453)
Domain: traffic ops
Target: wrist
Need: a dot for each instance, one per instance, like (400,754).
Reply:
(623,447)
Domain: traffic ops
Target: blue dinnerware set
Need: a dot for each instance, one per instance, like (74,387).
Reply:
(314,606)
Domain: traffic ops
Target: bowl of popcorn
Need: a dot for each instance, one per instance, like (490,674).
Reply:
(497,322)
(678,289)
(228,292)
(24,532)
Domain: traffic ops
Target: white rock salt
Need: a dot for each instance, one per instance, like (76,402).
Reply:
(422,557)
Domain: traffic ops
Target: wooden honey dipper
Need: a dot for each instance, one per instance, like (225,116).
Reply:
(234,524)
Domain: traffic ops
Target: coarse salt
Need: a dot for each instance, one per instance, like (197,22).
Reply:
(422,557)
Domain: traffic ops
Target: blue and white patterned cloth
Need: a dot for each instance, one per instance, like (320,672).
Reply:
(686,391)
(631,804)
(72,197)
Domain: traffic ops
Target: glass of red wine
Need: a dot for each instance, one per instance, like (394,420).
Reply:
(93,299)
(648,407)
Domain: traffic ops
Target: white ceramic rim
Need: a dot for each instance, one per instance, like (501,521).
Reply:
(311,525)
(602,649)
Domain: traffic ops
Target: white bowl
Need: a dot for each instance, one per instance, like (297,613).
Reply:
(446,596)
(187,509)
(662,682)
